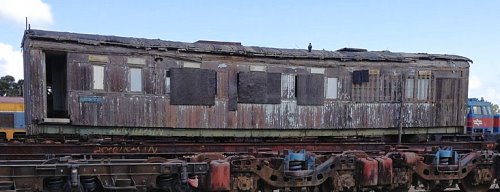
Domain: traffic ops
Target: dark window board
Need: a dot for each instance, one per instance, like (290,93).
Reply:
(259,87)
(190,86)
(310,89)
(360,76)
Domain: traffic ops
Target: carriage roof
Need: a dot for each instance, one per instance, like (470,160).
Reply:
(235,48)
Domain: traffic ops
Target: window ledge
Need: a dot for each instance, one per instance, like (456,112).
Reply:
(56,120)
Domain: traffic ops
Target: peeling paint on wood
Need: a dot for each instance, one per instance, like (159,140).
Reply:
(274,102)
(136,61)
(98,58)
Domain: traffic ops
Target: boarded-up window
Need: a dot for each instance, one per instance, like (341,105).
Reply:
(6,120)
(331,88)
(191,86)
(136,79)
(98,81)
(360,76)
(259,87)
(310,89)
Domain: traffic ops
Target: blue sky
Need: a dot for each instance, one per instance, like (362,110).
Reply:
(467,28)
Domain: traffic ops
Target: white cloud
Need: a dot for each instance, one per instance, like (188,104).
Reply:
(38,12)
(479,88)
(11,61)
(474,82)
(492,94)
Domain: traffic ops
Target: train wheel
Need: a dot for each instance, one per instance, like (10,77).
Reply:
(327,186)
(439,187)
(469,187)
(263,187)
(53,184)
(472,182)
(90,184)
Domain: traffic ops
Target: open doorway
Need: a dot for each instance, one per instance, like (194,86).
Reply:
(55,68)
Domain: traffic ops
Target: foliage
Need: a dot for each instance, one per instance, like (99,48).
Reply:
(9,87)
(495,109)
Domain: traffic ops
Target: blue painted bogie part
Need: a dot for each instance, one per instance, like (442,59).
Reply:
(447,155)
(298,161)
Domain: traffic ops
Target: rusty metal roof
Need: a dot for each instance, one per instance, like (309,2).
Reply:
(344,54)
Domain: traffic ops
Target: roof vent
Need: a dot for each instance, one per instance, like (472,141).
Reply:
(348,49)
(219,42)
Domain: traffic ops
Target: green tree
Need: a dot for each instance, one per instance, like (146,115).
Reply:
(9,87)
(495,109)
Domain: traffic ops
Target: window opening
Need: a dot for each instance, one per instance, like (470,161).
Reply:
(55,68)
(98,80)
(136,79)
(331,88)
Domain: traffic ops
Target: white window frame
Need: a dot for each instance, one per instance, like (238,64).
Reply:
(98,77)
(135,87)
(331,88)
(423,89)
(167,82)
(410,87)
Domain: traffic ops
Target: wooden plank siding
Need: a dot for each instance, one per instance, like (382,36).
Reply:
(153,108)
(372,104)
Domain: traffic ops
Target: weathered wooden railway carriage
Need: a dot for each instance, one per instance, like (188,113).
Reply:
(93,84)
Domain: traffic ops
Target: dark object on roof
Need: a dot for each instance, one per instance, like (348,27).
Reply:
(219,42)
(309,48)
(236,49)
(349,49)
